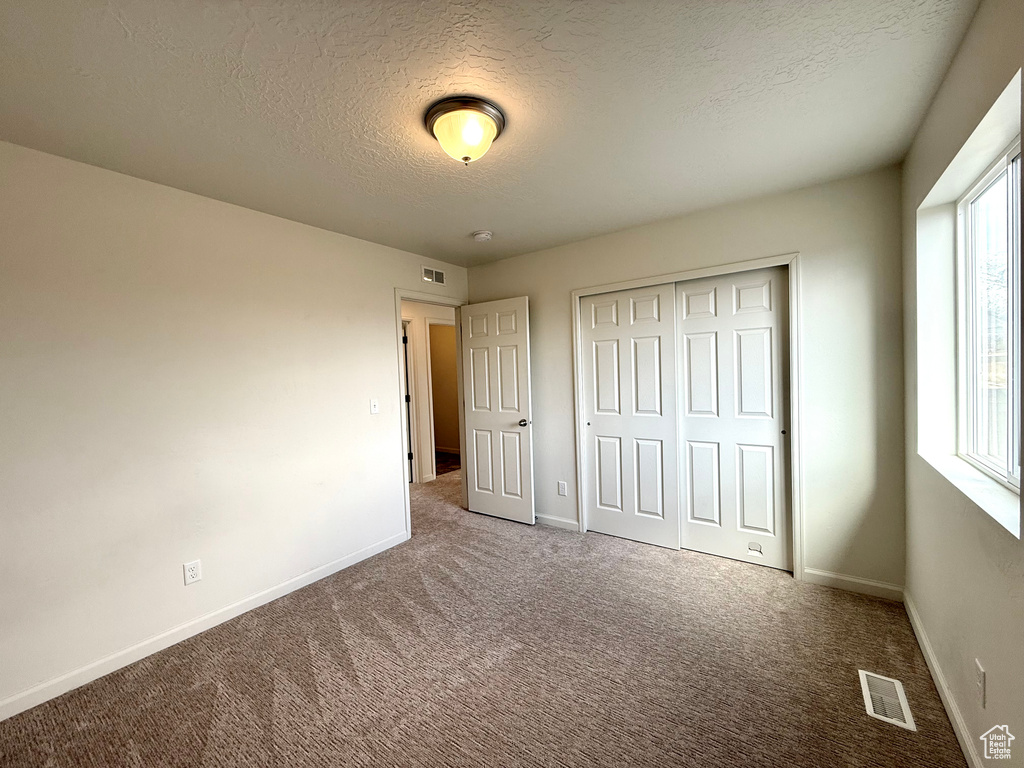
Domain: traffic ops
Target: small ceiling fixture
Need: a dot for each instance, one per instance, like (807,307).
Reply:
(483,235)
(465,126)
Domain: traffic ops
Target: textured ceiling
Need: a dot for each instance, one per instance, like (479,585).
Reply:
(619,113)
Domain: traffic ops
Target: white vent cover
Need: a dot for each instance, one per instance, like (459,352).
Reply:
(433,276)
(885,699)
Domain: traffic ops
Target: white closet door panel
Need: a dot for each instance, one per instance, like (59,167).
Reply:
(734,369)
(703,483)
(631,486)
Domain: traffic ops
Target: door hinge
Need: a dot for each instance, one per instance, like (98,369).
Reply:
(408,398)
(405,339)
(410,455)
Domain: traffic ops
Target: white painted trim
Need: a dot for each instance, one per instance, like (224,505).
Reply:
(690,274)
(412,433)
(50,689)
(462,408)
(558,522)
(423,298)
(854,584)
(577,404)
(790,260)
(963,734)
(796,374)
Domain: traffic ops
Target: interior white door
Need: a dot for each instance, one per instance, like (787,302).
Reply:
(496,383)
(628,348)
(733,395)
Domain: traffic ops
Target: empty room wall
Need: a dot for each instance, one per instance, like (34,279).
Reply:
(848,235)
(965,572)
(180,379)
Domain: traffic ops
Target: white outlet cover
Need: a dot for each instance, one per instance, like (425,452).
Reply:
(563,489)
(374,406)
(193,572)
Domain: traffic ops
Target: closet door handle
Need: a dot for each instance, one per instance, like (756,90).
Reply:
(523,423)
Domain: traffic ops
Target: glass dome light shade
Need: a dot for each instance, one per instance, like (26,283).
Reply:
(465,126)
(465,134)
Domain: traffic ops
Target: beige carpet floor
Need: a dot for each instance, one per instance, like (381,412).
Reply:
(487,643)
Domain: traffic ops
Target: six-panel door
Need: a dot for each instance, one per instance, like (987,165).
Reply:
(732,398)
(629,407)
(496,387)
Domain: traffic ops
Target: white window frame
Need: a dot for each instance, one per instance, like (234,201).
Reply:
(1010,478)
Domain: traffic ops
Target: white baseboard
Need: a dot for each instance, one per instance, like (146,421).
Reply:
(963,733)
(854,584)
(50,689)
(558,522)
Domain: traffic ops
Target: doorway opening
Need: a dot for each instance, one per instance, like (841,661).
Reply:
(493,400)
(431,392)
(444,396)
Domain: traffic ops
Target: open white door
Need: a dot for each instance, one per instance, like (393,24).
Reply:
(496,387)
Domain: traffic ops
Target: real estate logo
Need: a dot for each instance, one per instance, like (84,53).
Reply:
(997,742)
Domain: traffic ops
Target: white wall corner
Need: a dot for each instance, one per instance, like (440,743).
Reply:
(963,734)
(853,584)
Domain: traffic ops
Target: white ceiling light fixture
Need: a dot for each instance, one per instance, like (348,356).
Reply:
(465,126)
(483,235)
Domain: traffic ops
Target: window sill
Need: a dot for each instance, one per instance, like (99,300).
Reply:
(998,501)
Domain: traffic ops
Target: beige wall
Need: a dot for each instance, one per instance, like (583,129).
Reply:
(848,235)
(444,387)
(179,378)
(965,573)
(420,316)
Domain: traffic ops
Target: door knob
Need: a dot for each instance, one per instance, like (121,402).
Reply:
(523,422)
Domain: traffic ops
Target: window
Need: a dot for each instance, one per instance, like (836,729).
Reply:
(989,311)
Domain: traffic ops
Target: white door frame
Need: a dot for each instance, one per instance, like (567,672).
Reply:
(409,417)
(444,301)
(790,260)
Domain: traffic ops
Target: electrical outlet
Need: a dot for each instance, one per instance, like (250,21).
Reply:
(375,406)
(193,572)
(980,678)
(563,489)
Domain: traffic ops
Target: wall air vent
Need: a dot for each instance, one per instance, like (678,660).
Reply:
(433,276)
(885,699)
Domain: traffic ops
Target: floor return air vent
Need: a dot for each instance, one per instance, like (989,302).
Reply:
(885,699)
